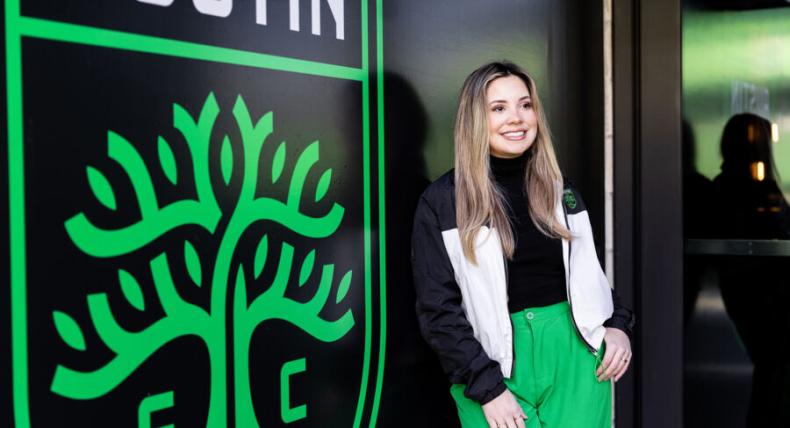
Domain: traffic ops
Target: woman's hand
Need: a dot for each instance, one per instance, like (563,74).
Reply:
(617,357)
(504,412)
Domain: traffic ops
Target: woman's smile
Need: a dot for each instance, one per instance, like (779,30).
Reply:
(515,135)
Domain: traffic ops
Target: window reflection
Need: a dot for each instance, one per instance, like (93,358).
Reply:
(736,185)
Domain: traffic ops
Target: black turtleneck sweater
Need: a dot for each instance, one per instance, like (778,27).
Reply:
(536,275)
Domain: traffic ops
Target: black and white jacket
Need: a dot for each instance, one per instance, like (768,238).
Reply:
(462,308)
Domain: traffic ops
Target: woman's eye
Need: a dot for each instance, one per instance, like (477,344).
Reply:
(527,105)
(498,109)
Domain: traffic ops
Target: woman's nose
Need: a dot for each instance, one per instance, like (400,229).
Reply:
(515,117)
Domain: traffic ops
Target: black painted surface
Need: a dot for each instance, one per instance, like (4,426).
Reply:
(74,94)
(659,228)
(429,48)
(624,199)
(239,30)
(5,250)
(67,116)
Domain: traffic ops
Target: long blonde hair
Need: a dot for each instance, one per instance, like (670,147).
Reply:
(478,200)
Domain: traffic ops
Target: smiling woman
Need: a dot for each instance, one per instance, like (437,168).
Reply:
(494,103)
(512,123)
(511,336)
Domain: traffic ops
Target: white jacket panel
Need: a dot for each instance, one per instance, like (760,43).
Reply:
(484,293)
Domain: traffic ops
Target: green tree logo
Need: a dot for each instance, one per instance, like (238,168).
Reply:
(227,281)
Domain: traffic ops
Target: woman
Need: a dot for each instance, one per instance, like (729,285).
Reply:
(510,293)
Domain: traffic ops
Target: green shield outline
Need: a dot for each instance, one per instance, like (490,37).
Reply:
(18,26)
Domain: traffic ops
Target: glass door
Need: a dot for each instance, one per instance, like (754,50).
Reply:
(736,184)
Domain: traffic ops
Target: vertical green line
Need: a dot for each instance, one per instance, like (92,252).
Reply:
(366,198)
(382,218)
(16,216)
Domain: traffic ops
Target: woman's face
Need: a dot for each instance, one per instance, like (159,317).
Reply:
(512,123)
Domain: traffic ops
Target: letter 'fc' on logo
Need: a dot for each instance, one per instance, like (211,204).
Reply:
(230,282)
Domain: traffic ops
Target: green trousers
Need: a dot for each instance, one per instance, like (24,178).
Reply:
(553,376)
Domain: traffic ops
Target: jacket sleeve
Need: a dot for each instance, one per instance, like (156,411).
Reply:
(440,315)
(622,317)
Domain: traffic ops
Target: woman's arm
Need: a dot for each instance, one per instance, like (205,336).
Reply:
(622,318)
(620,325)
(442,321)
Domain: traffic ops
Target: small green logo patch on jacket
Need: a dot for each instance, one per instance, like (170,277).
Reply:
(569,199)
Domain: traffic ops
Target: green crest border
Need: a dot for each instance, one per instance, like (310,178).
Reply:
(18,27)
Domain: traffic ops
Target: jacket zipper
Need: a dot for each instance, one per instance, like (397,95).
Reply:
(512,330)
(568,287)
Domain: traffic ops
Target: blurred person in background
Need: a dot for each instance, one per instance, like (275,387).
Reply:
(755,289)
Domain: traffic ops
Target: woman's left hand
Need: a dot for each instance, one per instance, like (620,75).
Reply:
(617,357)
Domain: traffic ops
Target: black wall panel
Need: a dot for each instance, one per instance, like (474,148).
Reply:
(429,48)
(129,108)
(193,195)
(5,294)
(240,29)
